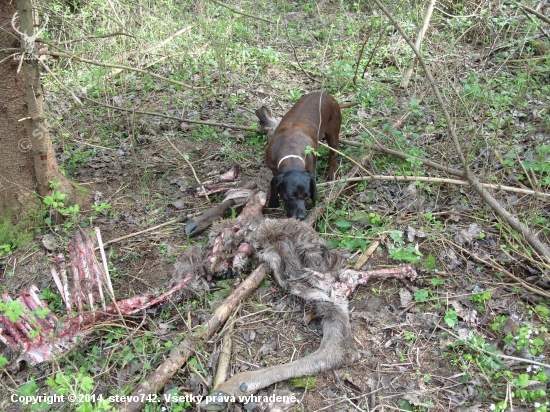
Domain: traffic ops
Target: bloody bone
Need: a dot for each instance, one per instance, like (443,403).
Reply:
(38,335)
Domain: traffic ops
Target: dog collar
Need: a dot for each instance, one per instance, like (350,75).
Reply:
(288,157)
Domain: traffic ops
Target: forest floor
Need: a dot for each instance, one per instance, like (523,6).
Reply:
(425,345)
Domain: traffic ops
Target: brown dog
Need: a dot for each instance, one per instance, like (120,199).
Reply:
(315,115)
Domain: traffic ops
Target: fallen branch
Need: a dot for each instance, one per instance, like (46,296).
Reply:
(499,268)
(534,12)
(180,119)
(425,24)
(436,180)
(225,355)
(234,10)
(542,249)
(402,155)
(114,66)
(179,355)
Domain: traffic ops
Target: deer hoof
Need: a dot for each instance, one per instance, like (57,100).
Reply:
(191,228)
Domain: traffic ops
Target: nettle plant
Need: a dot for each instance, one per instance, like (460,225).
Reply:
(55,203)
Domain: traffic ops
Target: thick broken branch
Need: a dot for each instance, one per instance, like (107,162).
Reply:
(179,355)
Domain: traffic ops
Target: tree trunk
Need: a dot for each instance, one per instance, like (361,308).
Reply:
(27,158)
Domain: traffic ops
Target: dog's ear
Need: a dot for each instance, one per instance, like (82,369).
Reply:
(274,198)
(313,189)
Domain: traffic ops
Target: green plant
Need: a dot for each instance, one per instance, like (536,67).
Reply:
(79,387)
(499,323)
(528,336)
(410,336)
(436,281)
(451,318)
(305,382)
(12,309)
(481,297)
(421,295)
(55,202)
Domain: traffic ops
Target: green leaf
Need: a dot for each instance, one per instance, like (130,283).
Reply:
(522,380)
(421,295)
(429,263)
(451,318)
(29,388)
(436,282)
(333,242)
(342,223)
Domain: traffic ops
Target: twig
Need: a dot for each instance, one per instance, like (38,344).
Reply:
(496,355)
(192,169)
(542,249)
(437,180)
(367,37)
(536,13)
(425,24)
(225,354)
(61,83)
(94,36)
(347,157)
(373,52)
(170,222)
(498,267)
(181,119)
(296,56)
(181,353)
(115,66)
(168,39)
(368,253)
(402,155)
(234,10)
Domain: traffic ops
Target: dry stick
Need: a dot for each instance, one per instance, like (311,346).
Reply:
(347,157)
(498,267)
(402,155)
(114,66)
(533,21)
(243,13)
(296,56)
(438,180)
(425,24)
(536,13)
(368,253)
(192,169)
(496,355)
(225,355)
(95,36)
(181,119)
(170,222)
(315,213)
(542,249)
(373,52)
(367,37)
(168,39)
(179,355)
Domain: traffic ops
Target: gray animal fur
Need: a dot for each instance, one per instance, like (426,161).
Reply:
(291,248)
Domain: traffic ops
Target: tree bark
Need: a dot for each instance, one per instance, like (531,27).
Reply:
(45,165)
(27,157)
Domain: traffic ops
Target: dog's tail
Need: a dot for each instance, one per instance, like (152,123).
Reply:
(346,105)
